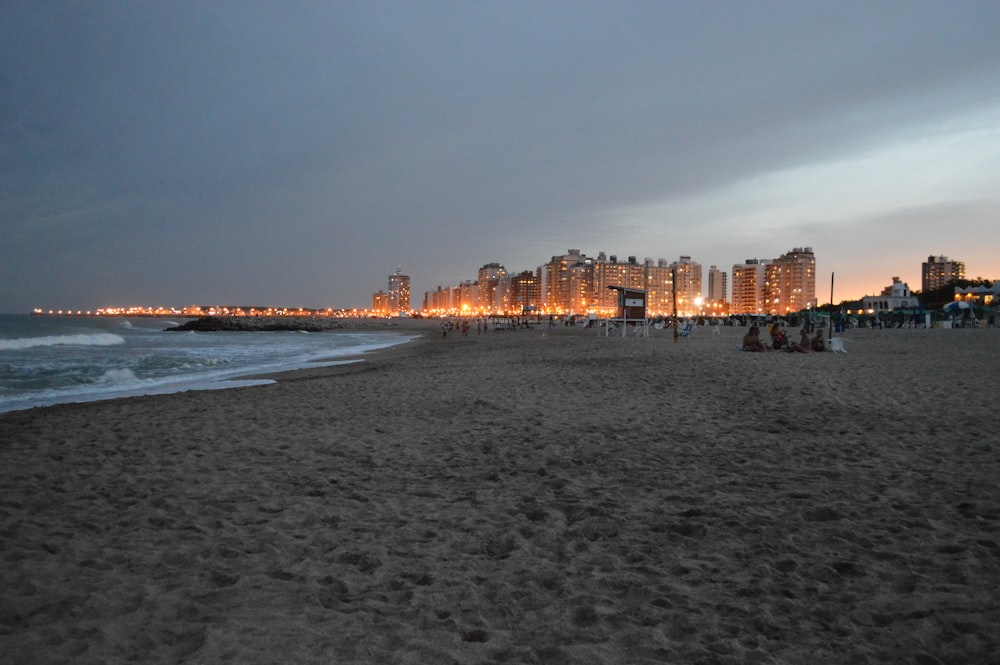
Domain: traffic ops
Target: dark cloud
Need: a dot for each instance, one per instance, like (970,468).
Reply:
(299,152)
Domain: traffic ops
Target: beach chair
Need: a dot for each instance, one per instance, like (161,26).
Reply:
(686,329)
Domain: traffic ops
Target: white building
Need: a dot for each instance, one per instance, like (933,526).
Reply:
(896,296)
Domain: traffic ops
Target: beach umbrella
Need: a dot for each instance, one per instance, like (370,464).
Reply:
(955,307)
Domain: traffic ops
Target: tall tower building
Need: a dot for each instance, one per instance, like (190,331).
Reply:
(938,271)
(717,285)
(490,275)
(523,291)
(748,287)
(687,274)
(399,292)
(561,288)
(659,287)
(790,282)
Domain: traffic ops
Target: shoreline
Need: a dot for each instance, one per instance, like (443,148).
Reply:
(212,379)
(531,496)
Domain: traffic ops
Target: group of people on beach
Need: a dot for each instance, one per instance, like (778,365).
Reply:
(779,340)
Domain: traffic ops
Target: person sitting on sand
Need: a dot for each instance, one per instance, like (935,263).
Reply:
(778,337)
(818,343)
(804,345)
(751,341)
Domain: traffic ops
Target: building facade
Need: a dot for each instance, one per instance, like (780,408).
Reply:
(489,278)
(399,292)
(748,287)
(605,273)
(718,290)
(575,283)
(561,285)
(687,282)
(659,288)
(938,271)
(790,282)
(896,296)
(523,292)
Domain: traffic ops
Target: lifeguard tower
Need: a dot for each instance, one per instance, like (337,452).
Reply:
(631,311)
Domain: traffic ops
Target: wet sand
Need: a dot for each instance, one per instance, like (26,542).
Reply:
(545,496)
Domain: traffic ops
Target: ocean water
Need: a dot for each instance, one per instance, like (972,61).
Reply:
(48,360)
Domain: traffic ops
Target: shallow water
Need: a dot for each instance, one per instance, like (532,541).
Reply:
(48,360)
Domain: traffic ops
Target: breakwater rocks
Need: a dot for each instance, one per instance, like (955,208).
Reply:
(259,324)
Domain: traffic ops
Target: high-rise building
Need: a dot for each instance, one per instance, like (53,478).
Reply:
(687,276)
(748,287)
(717,285)
(604,273)
(399,292)
(468,296)
(436,301)
(790,282)
(778,286)
(659,287)
(522,291)
(489,278)
(938,271)
(561,287)
(380,302)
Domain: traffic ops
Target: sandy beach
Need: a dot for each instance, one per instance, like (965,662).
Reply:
(544,496)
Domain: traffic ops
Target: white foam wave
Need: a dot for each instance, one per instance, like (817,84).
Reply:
(119,377)
(95,339)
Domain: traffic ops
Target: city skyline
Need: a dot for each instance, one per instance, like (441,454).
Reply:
(254,152)
(751,281)
(575,283)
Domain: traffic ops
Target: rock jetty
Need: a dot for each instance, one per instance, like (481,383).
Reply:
(259,324)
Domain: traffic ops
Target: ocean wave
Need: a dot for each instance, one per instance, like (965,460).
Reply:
(119,377)
(95,339)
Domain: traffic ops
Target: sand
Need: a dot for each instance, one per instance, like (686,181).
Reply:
(545,496)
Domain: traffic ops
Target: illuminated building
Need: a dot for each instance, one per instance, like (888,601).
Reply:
(488,300)
(938,271)
(561,286)
(468,296)
(893,297)
(790,282)
(748,287)
(687,275)
(380,302)
(399,292)
(521,291)
(436,301)
(984,296)
(659,287)
(604,273)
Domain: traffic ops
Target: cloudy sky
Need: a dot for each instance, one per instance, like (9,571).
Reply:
(171,153)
